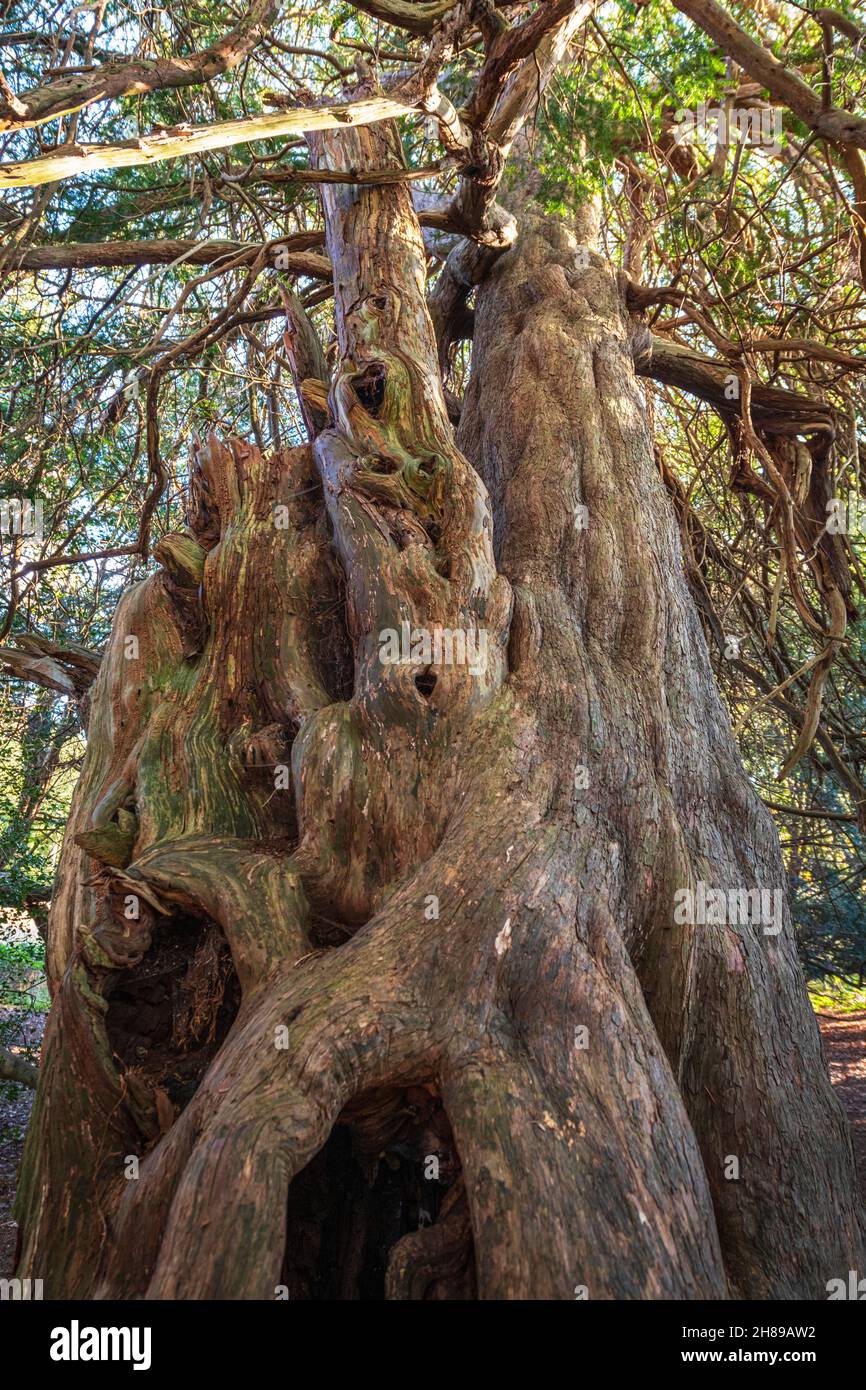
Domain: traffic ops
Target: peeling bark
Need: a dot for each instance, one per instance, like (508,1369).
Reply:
(451,933)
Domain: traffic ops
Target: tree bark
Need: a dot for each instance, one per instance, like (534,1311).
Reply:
(450,933)
(668,803)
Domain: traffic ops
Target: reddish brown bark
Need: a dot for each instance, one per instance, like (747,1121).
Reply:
(458,921)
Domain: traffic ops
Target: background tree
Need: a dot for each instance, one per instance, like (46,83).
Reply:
(320,918)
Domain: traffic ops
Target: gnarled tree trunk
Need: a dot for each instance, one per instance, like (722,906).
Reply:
(449,930)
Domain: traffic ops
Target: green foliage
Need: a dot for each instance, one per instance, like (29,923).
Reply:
(40,756)
(835,996)
(22,965)
(23,996)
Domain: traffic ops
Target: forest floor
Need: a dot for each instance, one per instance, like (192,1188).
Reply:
(844,1038)
(843,1034)
(15,1103)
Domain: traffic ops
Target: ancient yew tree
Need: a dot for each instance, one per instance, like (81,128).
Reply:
(323,916)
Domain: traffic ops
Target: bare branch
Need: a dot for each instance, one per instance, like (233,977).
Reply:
(776,411)
(291,254)
(418,18)
(68,670)
(78,89)
(69,160)
(516,72)
(14,1068)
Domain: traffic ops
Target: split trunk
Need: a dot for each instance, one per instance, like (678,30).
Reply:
(370,969)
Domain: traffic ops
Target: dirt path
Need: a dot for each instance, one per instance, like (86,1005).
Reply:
(844,1037)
